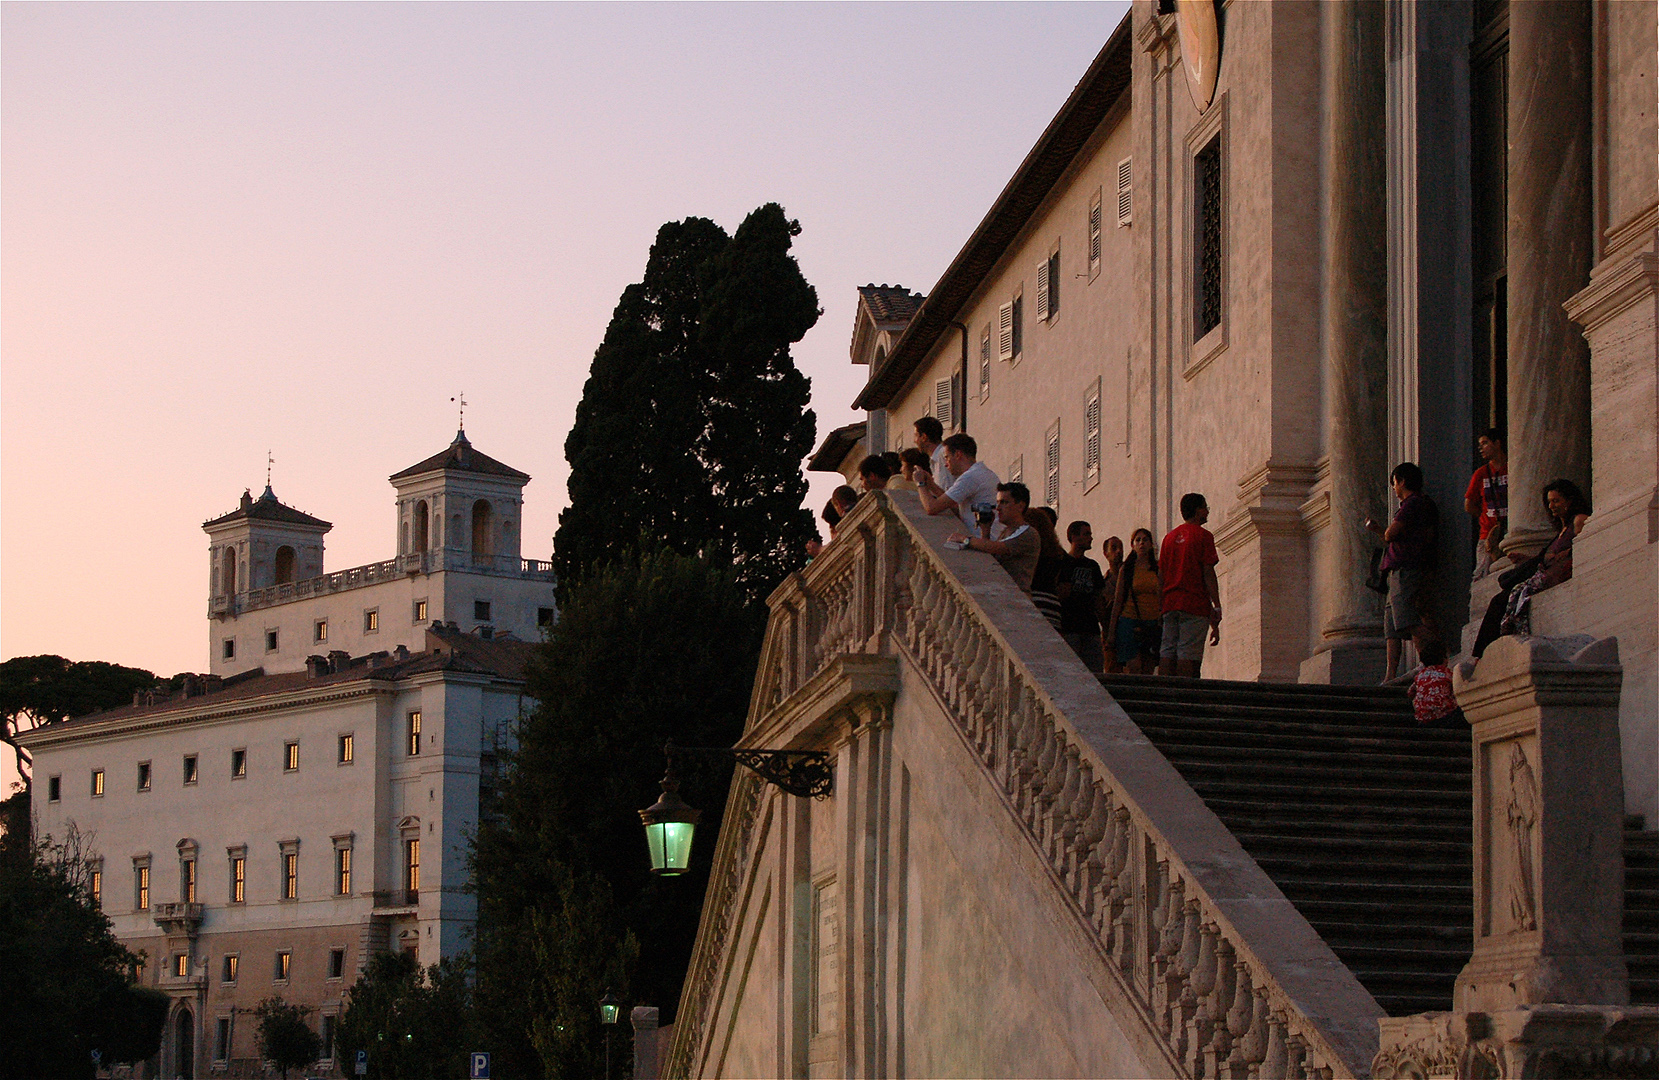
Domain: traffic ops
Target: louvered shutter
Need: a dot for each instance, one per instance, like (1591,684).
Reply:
(1125,186)
(1042,290)
(1094,236)
(985,364)
(1005,332)
(942,402)
(1016,470)
(1091,437)
(1051,467)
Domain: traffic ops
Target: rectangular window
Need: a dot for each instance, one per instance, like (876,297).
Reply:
(1094,236)
(342,871)
(1207,236)
(414,733)
(227,970)
(1042,290)
(1053,307)
(97,783)
(1125,189)
(54,788)
(284,966)
(97,885)
(1091,437)
(290,756)
(319,632)
(345,749)
(141,885)
(187,881)
(270,641)
(290,875)
(544,616)
(420,611)
(1051,466)
(985,364)
(143,776)
(1019,326)
(327,1051)
(190,768)
(238,879)
(238,764)
(229,649)
(411,871)
(1005,332)
(221,1039)
(181,965)
(371,620)
(481,610)
(336,963)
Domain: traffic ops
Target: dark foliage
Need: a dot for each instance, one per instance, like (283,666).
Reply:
(694,419)
(64,978)
(36,690)
(414,1024)
(647,648)
(285,1039)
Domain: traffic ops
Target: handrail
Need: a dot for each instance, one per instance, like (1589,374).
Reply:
(1228,977)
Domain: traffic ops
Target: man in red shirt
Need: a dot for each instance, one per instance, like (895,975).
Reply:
(1488,498)
(1192,598)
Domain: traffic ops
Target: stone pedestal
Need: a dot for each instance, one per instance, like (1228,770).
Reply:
(1543,1040)
(1548,829)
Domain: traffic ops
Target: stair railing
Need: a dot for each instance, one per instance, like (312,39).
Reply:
(1228,979)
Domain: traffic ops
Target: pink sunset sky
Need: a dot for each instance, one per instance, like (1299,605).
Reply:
(302,228)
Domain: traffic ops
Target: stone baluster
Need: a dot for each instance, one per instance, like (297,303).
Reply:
(1276,1058)
(1196,997)
(1061,824)
(1252,1044)
(1296,1065)
(1086,863)
(1218,1007)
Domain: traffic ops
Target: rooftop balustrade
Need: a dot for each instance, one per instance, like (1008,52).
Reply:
(358,577)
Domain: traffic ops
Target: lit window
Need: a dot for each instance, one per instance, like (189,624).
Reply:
(371,620)
(481,610)
(414,733)
(284,964)
(54,788)
(420,611)
(291,875)
(141,886)
(227,971)
(187,881)
(270,641)
(230,649)
(143,776)
(345,749)
(290,756)
(319,632)
(221,1038)
(336,963)
(411,871)
(181,965)
(190,768)
(238,879)
(342,871)
(238,764)
(97,884)
(97,783)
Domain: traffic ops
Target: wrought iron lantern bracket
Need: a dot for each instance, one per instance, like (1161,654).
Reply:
(803,773)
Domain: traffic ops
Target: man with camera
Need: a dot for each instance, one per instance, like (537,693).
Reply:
(1019,546)
(974,484)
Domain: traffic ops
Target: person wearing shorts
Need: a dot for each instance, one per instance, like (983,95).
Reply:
(1408,560)
(1192,596)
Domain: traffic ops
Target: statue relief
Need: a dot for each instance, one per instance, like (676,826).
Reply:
(1523,818)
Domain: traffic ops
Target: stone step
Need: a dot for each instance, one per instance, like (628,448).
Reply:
(1416,770)
(1292,824)
(1449,816)
(1346,849)
(1284,789)
(1302,739)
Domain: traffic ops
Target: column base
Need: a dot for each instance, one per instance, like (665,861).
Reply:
(1347,662)
(1498,978)
(1540,1040)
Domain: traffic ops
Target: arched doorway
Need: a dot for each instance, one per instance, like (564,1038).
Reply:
(483,535)
(184,1045)
(228,577)
(284,565)
(422,519)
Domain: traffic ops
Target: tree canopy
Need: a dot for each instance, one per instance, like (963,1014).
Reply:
(414,1024)
(694,418)
(285,1039)
(36,690)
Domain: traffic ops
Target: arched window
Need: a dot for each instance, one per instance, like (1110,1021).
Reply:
(228,576)
(483,537)
(422,520)
(284,565)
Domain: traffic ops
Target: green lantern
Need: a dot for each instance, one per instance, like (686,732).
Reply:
(610,1008)
(669,824)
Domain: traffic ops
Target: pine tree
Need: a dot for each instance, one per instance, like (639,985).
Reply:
(694,419)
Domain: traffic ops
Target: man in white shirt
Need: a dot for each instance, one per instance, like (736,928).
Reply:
(974,487)
(929,432)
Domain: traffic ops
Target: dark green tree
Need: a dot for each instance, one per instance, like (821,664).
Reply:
(414,1024)
(37,690)
(646,648)
(64,978)
(694,418)
(285,1039)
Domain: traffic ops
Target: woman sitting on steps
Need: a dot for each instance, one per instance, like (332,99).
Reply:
(1510,612)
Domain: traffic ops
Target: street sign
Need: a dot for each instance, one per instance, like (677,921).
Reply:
(362,1063)
(480,1065)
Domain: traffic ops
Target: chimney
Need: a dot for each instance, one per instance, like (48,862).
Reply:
(316,666)
(400,654)
(338,660)
(247,498)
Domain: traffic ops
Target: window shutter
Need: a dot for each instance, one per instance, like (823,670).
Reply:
(1094,235)
(1051,467)
(1125,186)
(941,402)
(1016,470)
(1091,437)
(1053,307)
(1005,332)
(1042,290)
(985,364)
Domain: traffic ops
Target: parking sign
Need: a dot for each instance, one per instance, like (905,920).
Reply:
(480,1065)
(362,1063)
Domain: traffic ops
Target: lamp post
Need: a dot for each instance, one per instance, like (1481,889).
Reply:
(610,1009)
(670,821)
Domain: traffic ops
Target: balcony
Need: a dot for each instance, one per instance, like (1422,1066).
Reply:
(178,918)
(358,577)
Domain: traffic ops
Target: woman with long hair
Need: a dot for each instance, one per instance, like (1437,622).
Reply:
(1138,608)
(1051,559)
(1510,612)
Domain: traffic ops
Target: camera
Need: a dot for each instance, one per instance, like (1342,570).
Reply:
(984,513)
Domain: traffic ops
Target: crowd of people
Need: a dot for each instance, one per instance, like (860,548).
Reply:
(1155,606)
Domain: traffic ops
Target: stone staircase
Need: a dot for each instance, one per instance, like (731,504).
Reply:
(1362,818)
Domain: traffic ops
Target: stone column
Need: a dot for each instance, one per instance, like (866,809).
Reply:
(1355,293)
(1549,239)
(1548,828)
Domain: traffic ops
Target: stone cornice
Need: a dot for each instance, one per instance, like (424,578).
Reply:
(845,682)
(1613,289)
(1632,230)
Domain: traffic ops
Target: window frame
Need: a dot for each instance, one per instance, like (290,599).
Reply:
(420,610)
(146,776)
(95,881)
(230,969)
(54,788)
(227,649)
(141,883)
(98,783)
(237,864)
(337,971)
(239,765)
(371,620)
(483,611)
(291,755)
(345,748)
(273,640)
(412,733)
(190,769)
(343,845)
(282,966)
(1051,465)
(288,871)
(1202,349)
(411,869)
(319,632)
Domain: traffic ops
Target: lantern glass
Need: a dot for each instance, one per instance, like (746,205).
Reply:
(610,1009)
(669,825)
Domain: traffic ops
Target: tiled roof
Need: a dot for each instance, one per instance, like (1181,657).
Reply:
(461,457)
(447,650)
(267,508)
(890,303)
(835,448)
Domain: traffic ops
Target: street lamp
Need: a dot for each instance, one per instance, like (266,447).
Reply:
(610,1007)
(670,821)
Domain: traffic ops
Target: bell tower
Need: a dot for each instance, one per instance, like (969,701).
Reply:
(463,506)
(261,543)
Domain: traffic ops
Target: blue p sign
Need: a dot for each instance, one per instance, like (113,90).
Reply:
(480,1065)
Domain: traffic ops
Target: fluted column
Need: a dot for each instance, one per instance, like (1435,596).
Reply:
(1549,234)
(1355,312)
